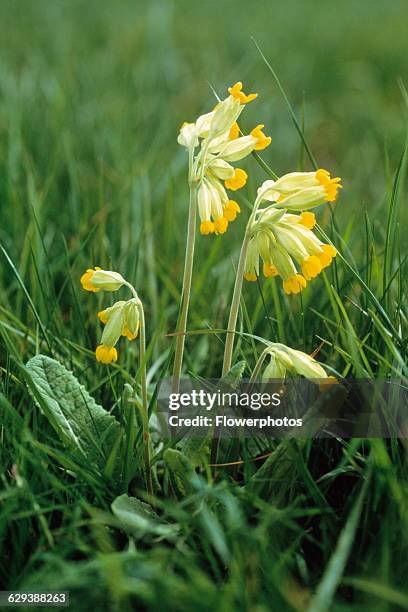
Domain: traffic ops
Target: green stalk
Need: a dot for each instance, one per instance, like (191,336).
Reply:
(143,384)
(233,316)
(145,404)
(236,297)
(259,364)
(186,290)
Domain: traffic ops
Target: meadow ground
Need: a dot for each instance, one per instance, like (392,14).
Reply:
(92,95)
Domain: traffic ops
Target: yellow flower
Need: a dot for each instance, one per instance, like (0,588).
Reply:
(284,359)
(234,131)
(120,319)
(294,284)
(299,191)
(237,93)
(308,219)
(96,279)
(106,354)
(128,334)
(213,142)
(231,209)
(262,140)
(269,270)
(326,257)
(288,248)
(207,227)
(311,267)
(212,200)
(330,185)
(123,318)
(86,280)
(237,181)
(220,225)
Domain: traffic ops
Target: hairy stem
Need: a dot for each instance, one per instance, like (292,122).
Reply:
(186,290)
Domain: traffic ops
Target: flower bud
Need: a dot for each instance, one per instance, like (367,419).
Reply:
(238,148)
(113,328)
(221,169)
(290,242)
(188,136)
(301,190)
(275,369)
(225,115)
(203,124)
(105,280)
(131,319)
(303,364)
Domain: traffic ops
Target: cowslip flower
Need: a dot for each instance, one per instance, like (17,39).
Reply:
(285,360)
(96,279)
(214,144)
(284,241)
(301,190)
(287,247)
(121,319)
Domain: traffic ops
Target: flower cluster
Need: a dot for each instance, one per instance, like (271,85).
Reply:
(214,143)
(120,319)
(284,241)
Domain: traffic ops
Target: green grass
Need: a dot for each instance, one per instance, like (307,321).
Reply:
(92,95)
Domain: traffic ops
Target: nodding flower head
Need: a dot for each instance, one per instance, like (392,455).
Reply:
(217,136)
(121,319)
(285,360)
(299,191)
(96,279)
(288,248)
(215,208)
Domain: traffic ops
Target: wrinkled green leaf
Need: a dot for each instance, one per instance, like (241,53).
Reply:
(82,424)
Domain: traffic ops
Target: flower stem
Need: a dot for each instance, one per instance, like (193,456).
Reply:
(259,364)
(233,316)
(186,290)
(145,405)
(236,297)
